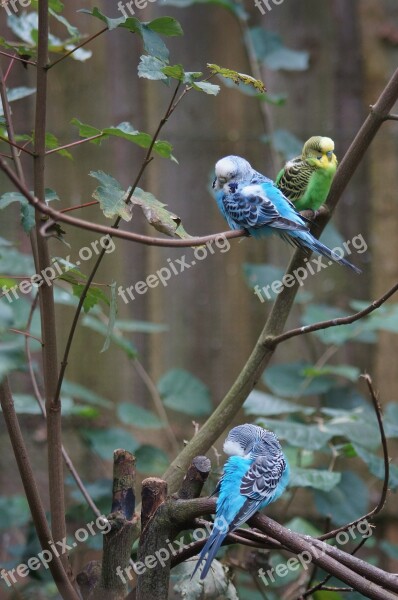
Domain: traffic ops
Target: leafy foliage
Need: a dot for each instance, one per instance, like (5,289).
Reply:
(184,393)
(238,78)
(125,131)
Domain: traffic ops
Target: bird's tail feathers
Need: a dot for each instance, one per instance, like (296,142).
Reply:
(309,241)
(209,551)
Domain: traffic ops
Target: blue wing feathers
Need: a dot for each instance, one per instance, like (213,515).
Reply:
(258,206)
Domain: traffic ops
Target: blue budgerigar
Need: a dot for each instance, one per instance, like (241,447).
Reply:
(249,200)
(255,475)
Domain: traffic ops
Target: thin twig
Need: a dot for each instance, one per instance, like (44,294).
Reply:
(46,296)
(16,57)
(56,216)
(70,208)
(92,37)
(321,325)
(27,334)
(321,585)
(41,403)
(73,144)
(14,145)
(384,492)
(31,491)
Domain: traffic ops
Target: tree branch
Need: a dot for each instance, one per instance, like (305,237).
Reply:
(32,494)
(273,342)
(47,310)
(84,43)
(16,57)
(58,216)
(107,582)
(261,354)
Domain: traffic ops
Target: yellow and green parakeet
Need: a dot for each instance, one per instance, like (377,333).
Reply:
(306,179)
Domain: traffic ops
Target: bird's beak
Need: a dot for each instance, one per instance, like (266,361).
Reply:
(329,155)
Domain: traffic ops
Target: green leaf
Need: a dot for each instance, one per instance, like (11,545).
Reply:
(355,426)
(208,88)
(264,276)
(127,132)
(376,466)
(315,478)
(151,460)
(261,404)
(152,68)
(14,511)
(128,348)
(174,71)
(55,5)
(346,371)
(153,44)
(185,393)
(238,78)
(24,27)
(105,441)
(27,211)
(157,215)
(110,23)
(73,31)
(86,131)
(52,143)
(80,392)
(93,296)
(269,49)
(290,380)
(284,142)
(139,417)
(27,404)
(302,526)
(310,437)
(111,196)
(166,26)
(346,502)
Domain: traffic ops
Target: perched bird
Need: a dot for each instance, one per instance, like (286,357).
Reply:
(306,179)
(255,475)
(249,200)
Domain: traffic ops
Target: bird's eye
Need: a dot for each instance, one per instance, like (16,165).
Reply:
(319,157)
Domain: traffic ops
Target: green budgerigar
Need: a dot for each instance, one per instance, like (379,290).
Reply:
(306,179)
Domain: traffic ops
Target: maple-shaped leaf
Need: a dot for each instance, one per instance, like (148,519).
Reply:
(157,215)
(111,196)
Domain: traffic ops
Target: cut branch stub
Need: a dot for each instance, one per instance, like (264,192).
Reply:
(195,478)
(109,582)
(154,493)
(123,497)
